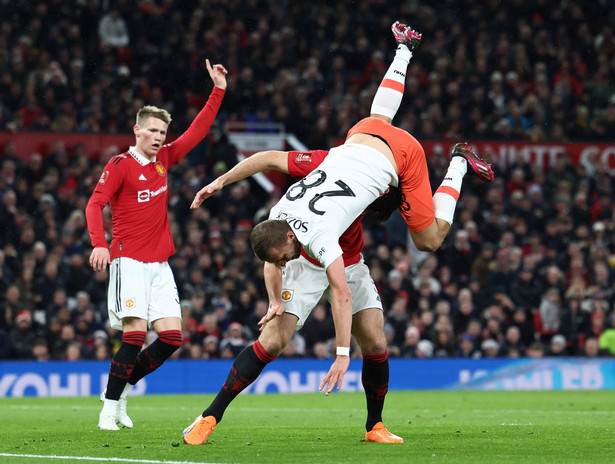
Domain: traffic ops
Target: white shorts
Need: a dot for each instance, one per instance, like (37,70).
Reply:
(144,290)
(304,284)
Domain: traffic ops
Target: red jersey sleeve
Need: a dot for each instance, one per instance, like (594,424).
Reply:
(197,130)
(301,163)
(109,183)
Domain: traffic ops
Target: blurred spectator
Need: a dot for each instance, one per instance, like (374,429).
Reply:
(22,336)
(112,30)
(233,339)
(424,349)
(490,348)
(557,346)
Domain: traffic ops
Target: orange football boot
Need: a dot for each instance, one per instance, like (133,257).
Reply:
(199,430)
(380,434)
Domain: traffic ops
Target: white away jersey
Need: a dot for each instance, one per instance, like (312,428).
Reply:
(322,205)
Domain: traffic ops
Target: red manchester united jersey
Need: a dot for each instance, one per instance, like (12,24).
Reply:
(300,164)
(137,192)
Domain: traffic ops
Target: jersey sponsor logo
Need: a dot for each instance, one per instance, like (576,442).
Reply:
(143,196)
(129,303)
(103,177)
(160,168)
(294,222)
(142,177)
(147,195)
(287,295)
(395,71)
(304,158)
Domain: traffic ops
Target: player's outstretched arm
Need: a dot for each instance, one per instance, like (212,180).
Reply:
(341,308)
(258,162)
(272,274)
(217,72)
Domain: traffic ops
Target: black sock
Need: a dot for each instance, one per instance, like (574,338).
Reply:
(122,366)
(152,357)
(247,367)
(375,377)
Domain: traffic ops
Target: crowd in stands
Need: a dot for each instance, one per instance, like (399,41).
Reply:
(527,269)
(522,70)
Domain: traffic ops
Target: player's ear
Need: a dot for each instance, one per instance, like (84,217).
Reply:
(290,234)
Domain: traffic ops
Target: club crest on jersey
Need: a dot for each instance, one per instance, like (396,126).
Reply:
(160,168)
(287,295)
(103,177)
(129,303)
(304,158)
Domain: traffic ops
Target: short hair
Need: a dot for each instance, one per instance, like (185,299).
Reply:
(267,235)
(151,111)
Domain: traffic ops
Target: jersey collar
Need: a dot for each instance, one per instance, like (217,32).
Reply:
(142,160)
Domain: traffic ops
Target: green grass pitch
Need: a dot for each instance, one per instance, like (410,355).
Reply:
(438,427)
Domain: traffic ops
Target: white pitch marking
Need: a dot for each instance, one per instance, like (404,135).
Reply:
(89,458)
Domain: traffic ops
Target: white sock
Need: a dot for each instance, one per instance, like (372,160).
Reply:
(126,390)
(445,198)
(391,90)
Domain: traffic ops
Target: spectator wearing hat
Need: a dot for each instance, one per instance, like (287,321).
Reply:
(233,339)
(490,348)
(424,349)
(557,346)
(22,336)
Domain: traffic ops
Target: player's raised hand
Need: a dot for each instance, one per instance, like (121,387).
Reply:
(275,309)
(335,374)
(218,73)
(206,192)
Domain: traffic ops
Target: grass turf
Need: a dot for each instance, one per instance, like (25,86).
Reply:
(438,427)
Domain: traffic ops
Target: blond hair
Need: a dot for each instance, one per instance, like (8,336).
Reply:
(151,111)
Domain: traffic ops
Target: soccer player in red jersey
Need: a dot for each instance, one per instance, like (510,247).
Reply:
(142,289)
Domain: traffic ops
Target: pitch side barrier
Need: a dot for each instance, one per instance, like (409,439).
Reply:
(87,378)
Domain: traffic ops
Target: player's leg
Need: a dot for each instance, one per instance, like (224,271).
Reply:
(127,296)
(368,329)
(391,90)
(463,161)
(164,315)
(245,369)
(121,368)
(303,284)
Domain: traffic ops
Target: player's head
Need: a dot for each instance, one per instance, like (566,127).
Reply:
(383,206)
(151,130)
(274,241)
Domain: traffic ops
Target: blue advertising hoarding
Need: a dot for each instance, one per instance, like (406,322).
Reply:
(86,378)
